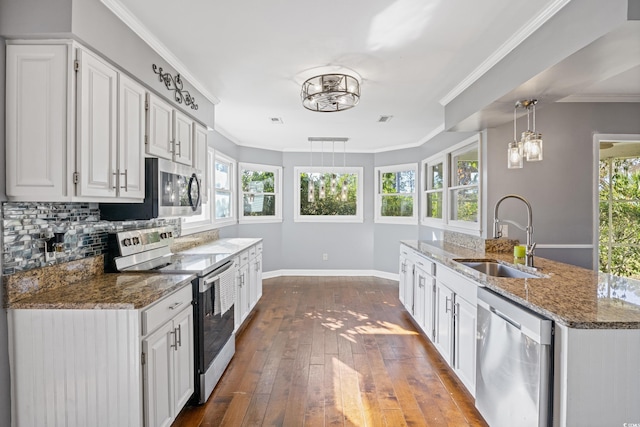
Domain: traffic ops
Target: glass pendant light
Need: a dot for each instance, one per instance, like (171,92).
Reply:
(534,152)
(514,151)
(310,192)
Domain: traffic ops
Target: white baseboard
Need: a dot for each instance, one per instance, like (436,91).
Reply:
(374,273)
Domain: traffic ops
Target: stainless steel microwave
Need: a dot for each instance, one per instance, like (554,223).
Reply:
(171,190)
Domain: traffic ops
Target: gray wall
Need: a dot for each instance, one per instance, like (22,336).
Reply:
(560,188)
(349,245)
(5,393)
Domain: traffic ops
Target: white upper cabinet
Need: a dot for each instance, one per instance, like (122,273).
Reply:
(97,137)
(39,122)
(170,132)
(131,131)
(183,140)
(75,126)
(159,128)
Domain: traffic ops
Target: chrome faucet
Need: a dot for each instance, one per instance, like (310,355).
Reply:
(497,233)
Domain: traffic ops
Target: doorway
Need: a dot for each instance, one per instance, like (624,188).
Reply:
(617,205)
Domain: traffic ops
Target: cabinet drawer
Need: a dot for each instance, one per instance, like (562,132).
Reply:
(165,309)
(425,265)
(244,258)
(252,252)
(258,248)
(466,288)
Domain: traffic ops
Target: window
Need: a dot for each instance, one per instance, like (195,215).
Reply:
(464,189)
(328,194)
(395,197)
(260,193)
(451,187)
(434,183)
(223,190)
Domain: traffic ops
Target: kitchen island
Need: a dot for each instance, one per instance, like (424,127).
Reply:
(597,331)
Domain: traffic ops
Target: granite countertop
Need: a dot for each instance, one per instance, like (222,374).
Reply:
(113,291)
(231,246)
(573,296)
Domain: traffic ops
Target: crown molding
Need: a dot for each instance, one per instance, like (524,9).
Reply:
(131,21)
(514,41)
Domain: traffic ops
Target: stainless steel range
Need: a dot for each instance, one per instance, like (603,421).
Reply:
(148,250)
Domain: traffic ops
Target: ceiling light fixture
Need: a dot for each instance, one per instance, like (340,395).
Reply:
(330,92)
(529,147)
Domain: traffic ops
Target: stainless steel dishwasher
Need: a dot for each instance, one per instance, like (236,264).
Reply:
(514,363)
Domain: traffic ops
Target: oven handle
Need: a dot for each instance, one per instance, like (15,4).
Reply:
(208,281)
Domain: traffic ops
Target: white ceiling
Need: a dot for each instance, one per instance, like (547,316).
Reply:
(253,55)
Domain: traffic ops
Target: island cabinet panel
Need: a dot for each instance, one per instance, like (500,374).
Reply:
(596,377)
(75,367)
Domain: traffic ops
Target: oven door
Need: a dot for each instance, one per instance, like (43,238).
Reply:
(178,190)
(213,327)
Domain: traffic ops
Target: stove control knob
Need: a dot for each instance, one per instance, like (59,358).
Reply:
(126,242)
(136,240)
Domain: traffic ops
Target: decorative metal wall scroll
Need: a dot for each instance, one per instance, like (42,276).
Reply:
(175,84)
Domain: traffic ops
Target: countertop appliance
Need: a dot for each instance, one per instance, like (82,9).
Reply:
(171,189)
(514,363)
(148,250)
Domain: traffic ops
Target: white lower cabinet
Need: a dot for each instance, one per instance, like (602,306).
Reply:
(248,283)
(443,303)
(406,278)
(168,357)
(110,367)
(455,324)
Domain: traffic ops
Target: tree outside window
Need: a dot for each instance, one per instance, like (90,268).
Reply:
(328,194)
(260,187)
(396,194)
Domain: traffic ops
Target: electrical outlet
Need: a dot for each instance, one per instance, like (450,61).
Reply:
(504,229)
(325,257)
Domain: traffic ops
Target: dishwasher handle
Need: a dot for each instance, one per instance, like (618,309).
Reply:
(506,318)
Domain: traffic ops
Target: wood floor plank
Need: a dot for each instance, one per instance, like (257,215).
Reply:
(334,351)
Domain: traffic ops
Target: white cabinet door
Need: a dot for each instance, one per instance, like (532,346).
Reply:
(429,308)
(38,130)
(406,283)
(419,291)
(200,155)
(159,128)
(253,282)
(465,343)
(131,129)
(96,144)
(259,276)
(183,138)
(158,376)
(184,358)
(444,320)
(244,292)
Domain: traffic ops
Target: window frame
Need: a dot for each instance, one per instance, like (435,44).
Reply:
(447,156)
(277,187)
(378,195)
(357,218)
(233,218)
(427,188)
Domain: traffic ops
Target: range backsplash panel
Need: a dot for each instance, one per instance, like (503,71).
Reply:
(27,226)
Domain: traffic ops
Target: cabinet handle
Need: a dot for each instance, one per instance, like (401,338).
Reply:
(126,180)
(116,175)
(447,300)
(175,305)
(456,310)
(179,339)
(179,144)
(175,340)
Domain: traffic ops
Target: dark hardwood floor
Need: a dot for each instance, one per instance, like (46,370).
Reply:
(334,351)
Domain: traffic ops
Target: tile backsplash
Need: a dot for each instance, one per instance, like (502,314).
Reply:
(26,226)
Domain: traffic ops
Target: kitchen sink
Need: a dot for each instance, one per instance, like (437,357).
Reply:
(491,267)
